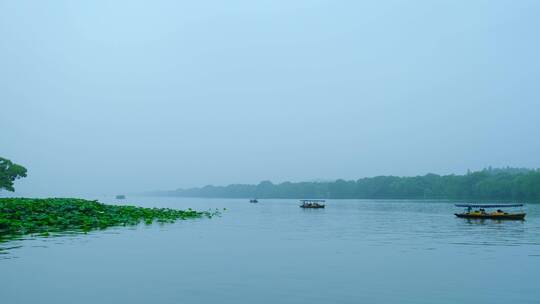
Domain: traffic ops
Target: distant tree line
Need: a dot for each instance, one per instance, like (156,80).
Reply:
(506,183)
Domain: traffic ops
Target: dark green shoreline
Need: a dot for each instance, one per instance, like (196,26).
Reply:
(22,216)
(488,184)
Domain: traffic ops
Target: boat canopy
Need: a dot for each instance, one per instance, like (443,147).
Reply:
(312,200)
(489,206)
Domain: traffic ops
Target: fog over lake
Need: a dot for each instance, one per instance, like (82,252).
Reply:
(126,96)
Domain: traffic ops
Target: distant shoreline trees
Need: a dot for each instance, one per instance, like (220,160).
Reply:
(506,183)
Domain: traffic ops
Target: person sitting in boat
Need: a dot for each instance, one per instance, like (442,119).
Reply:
(500,212)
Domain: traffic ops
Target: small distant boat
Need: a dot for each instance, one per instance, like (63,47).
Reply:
(476,211)
(314,204)
(120,196)
(253,200)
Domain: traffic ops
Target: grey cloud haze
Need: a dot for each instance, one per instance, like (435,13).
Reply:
(107,97)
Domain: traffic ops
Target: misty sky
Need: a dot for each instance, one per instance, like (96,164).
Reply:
(121,96)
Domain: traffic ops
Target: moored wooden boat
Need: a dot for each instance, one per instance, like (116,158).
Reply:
(312,204)
(480,212)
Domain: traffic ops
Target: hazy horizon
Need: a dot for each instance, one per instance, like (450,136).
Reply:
(131,96)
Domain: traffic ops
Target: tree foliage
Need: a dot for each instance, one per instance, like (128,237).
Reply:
(9,172)
(506,183)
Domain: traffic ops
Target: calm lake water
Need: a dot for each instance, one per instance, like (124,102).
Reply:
(354,251)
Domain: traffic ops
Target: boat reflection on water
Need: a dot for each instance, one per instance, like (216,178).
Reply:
(493,222)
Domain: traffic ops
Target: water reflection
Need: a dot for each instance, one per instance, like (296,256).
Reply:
(413,224)
(352,251)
